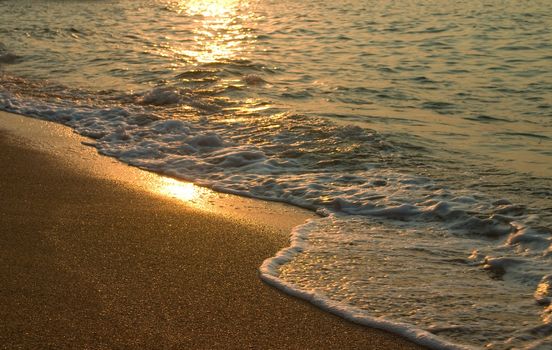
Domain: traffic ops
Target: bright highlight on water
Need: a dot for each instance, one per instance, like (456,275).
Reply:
(421,132)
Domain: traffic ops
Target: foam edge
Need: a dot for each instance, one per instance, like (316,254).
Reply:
(268,272)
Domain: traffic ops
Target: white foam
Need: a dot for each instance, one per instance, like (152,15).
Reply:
(161,97)
(418,283)
(303,161)
(269,272)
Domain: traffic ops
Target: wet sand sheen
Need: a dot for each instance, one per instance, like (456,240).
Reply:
(88,262)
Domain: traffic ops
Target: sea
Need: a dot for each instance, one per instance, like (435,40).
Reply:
(420,131)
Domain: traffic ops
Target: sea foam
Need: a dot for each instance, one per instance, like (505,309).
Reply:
(338,171)
(269,272)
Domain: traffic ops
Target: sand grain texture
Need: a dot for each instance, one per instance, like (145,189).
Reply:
(88,263)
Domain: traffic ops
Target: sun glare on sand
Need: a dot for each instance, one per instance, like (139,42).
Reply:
(185,191)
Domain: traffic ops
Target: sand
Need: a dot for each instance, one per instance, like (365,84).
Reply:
(91,259)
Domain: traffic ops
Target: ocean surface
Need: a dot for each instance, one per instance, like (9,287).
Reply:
(420,131)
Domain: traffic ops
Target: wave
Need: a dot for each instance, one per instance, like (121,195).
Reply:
(269,272)
(306,161)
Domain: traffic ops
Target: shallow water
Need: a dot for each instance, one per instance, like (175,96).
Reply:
(423,129)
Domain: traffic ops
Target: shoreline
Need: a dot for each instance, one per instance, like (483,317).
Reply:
(100,254)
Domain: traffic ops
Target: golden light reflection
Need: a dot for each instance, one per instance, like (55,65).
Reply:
(218,27)
(185,191)
(210,8)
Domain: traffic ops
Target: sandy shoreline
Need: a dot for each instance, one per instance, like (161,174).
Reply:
(94,255)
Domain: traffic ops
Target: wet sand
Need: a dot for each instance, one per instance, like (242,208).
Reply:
(88,262)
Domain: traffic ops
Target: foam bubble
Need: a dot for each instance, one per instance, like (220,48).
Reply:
(335,170)
(396,275)
(161,97)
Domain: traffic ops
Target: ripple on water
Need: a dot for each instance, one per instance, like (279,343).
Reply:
(446,172)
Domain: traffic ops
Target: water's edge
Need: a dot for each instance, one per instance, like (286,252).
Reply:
(268,272)
(39,132)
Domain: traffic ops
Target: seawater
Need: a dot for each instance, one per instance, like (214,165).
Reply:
(420,131)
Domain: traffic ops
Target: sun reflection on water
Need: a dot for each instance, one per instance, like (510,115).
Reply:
(220,30)
(210,8)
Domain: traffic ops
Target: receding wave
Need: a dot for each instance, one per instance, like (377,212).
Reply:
(343,172)
(437,226)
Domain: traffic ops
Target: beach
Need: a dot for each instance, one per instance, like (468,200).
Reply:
(232,173)
(91,261)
